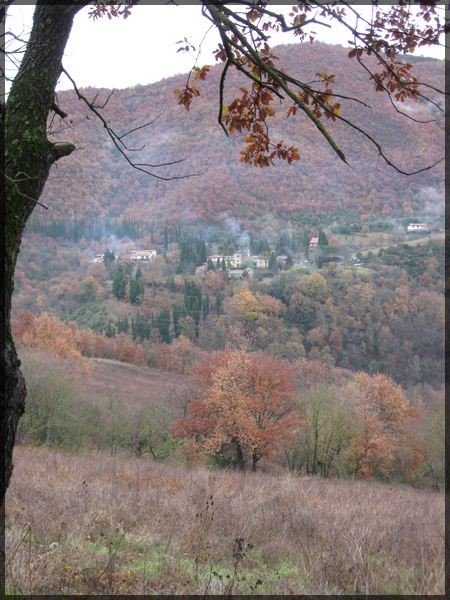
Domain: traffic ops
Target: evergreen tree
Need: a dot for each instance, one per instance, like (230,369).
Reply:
(252,245)
(202,253)
(193,302)
(219,304)
(193,252)
(140,327)
(306,242)
(119,283)
(323,240)
(123,325)
(135,291)
(110,330)
(273,262)
(196,312)
(109,257)
(178,312)
(283,243)
(205,306)
(162,323)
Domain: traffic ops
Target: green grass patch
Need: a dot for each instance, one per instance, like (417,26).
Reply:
(363,271)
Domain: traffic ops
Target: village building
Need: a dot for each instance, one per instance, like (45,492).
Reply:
(313,243)
(417,228)
(261,262)
(141,254)
(231,262)
(99,258)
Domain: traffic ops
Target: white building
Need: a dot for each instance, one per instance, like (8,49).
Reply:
(231,262)
(417,228)
(141,254)
(261,262)
(99,258)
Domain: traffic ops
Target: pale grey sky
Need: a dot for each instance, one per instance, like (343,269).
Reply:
(142,49)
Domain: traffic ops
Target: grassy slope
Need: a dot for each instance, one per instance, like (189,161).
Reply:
(102,524)
(131,384)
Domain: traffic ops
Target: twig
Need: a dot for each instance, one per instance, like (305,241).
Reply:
(120,145)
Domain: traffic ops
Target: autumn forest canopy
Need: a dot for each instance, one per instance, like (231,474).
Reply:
(318,184)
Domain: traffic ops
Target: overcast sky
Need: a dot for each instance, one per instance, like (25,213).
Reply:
(142,49)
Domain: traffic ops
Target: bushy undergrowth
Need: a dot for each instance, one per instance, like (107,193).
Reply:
(60,413)
(96,523)
(120,407)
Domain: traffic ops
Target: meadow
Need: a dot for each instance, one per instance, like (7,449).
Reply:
(93,523)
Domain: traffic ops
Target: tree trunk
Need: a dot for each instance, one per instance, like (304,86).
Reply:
(28,158)
(255,459)
(240,461)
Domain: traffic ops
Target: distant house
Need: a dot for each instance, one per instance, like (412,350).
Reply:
(313,242)
(282,259)
(99,258)
(261,262)
(417,228)
(141,254)
(231,262)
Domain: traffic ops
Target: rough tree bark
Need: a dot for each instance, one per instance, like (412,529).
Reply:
(28,158)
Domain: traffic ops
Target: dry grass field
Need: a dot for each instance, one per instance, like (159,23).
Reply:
(134,384)
(100,524)
(374,241)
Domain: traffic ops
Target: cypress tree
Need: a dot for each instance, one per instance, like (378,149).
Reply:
(119,284)
(205,306)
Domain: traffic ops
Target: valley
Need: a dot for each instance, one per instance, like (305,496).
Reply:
(235,377)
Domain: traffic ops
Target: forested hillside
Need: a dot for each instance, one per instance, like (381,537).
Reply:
(307,269)
(96,181)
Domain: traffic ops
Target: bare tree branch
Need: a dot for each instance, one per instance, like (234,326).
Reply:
(240,48)
(121,147)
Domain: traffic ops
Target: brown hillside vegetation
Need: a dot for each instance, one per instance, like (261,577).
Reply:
(135,385)
(113,525)
(96,180)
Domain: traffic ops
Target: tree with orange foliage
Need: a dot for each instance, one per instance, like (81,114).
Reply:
(242,411)
(383,412)
(250,311)
(48,333)
(177,356)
